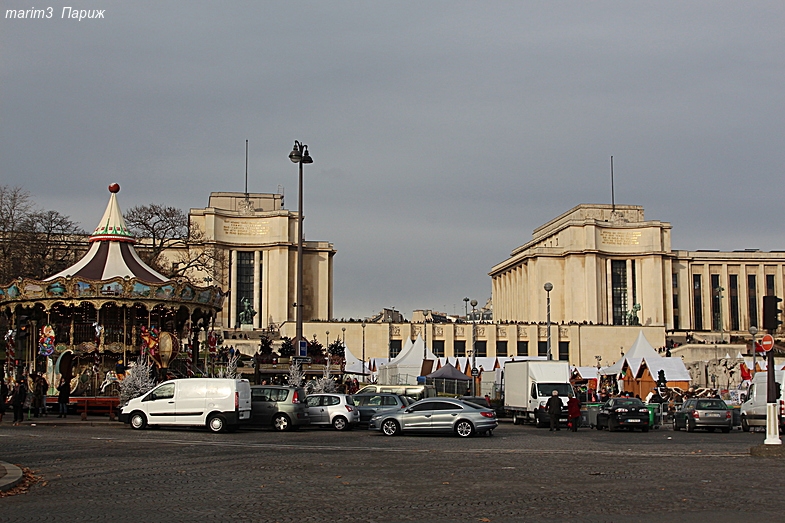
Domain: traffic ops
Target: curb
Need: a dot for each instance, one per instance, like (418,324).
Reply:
(768,451)
(11,478)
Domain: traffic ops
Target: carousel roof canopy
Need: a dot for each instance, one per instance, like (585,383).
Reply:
(112,253)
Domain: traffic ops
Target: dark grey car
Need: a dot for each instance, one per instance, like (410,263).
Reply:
(371,404)
(279,407)
(703,413)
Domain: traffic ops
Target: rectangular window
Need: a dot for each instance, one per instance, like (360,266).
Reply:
(697,301)
(501,348)
(675,281)
(523,348)
(245,288)
(395,348)
(752,297)
(716,303)
(438,348)
(482,348)
(542,348)
(459,348)
(770,285)
(619,291)
(564,351)
(632,283)
(733,283)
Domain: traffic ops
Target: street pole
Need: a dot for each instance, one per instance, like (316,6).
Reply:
(753,331)
(548,288)
(363,360)
(299,155)
(474,348)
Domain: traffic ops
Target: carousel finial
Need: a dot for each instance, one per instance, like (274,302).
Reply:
(114,188)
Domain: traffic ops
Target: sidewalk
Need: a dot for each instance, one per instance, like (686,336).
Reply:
(75,419)
(10,476)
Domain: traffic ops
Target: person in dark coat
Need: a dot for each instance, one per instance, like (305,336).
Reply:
(18,400)
(554,409)
(574,413)
(63,397)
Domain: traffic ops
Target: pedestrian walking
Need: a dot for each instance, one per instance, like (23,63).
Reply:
(554,409)
(573,413)
(18,398)
(63,397)
(39,396)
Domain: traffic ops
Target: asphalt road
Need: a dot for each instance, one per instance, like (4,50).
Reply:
(109,472)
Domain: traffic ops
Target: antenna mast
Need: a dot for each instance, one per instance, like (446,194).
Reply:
(613,197)
(246,170)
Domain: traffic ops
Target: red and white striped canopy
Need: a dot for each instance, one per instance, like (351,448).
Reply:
(112,252)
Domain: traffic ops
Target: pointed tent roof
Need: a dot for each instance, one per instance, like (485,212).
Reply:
(641,348)
(112,253)
(450,373)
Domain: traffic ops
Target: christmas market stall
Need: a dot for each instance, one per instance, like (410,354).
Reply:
(89,321)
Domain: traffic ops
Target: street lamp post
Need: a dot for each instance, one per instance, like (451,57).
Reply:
(300,156)
(718,292)
(548,288)
(474,348)
(753,331)
(363,360)
(466,308)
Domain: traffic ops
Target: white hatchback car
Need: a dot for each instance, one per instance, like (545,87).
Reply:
(337,410)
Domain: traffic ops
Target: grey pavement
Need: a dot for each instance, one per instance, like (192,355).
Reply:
(106,470)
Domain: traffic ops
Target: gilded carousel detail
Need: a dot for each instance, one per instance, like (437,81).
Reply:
(87,322)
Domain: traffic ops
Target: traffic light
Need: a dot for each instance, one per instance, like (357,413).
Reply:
(771,314)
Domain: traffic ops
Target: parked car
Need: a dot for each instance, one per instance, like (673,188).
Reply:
(623,412)
(372,404)
(477,400)
(417,392)
(220,404)
(445,415)
(703,413)
(279,407)
(337,410)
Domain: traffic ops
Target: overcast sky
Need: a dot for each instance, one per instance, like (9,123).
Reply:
(442,133)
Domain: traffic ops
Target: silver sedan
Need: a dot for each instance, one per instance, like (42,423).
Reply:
(437,415)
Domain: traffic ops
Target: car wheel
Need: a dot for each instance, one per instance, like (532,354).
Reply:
(464,428)
(690,426)
(515,420)
(676,425)
(281,423)
(216,424)
(744,425)
(390,427)
(138,421)
(340,423)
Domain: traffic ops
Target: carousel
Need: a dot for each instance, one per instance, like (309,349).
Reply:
(88,322)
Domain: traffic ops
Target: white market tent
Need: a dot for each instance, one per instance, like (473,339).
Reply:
(406,366)
(354,365)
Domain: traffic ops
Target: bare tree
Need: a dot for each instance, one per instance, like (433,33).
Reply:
(163,227)
(34,243)
(171,245)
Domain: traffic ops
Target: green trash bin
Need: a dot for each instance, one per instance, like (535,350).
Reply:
(654,414)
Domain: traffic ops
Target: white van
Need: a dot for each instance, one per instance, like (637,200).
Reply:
(220,404)
(753,411)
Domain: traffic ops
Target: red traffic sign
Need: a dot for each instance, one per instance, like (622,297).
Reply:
(767,342)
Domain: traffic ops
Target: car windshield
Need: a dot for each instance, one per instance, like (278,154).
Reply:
(634,402)
(711,405)
(546,389)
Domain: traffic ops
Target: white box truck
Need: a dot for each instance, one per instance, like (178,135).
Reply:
(527,386)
